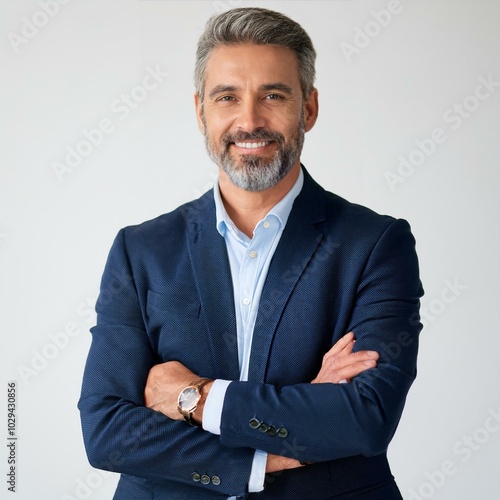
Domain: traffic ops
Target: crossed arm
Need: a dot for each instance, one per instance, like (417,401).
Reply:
(122,434)
(166,380)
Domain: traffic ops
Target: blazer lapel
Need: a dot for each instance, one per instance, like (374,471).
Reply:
(212,274)
(296,248)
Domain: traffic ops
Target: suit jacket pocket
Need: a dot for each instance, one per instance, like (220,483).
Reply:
(178,301)
(174,324)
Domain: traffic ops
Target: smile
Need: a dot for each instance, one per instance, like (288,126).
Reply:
(252,145)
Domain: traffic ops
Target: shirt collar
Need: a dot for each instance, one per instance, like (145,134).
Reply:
(281,210)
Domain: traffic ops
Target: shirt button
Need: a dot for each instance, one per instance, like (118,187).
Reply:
(216,480)
(195,477)
(246,301)
(266,224)
(205,479)
(252,254)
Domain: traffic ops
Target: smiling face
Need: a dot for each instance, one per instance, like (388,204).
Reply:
(253,115)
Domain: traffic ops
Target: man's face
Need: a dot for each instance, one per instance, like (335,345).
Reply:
(253,116)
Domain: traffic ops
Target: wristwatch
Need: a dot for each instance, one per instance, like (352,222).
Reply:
(188,400)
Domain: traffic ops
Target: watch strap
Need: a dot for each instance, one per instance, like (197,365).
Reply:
(198,384)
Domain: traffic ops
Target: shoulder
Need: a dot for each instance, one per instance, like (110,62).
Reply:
(166,234)
(174,223)
(337,215)
(360,225)
(338,210)
(354,230)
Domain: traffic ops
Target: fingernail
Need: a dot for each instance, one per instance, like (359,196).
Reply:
(373,354)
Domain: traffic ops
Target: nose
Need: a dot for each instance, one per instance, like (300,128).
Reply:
(250,116)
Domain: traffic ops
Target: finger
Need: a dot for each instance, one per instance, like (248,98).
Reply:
(351,371)
(346,351)
(346,367)
(346,373)
(341,344)
(334,363)
(359,356)
(348,348)
(337,357)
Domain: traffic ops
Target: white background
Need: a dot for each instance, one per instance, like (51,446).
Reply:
(68,74)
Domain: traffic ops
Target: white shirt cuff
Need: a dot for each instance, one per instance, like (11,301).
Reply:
(258,472)
(212,413)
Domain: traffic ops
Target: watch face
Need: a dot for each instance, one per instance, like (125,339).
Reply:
(188,398)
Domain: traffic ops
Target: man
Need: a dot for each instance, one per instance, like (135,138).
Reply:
(211,372)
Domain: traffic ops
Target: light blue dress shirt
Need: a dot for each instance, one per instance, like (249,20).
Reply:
(249,259)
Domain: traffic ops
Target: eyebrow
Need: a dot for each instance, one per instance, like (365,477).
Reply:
(221,89)
(277,86)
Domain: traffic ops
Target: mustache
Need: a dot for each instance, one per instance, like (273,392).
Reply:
(257,135)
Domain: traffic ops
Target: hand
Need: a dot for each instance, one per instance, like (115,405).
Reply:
(277,463)
(340,363)
(165,382)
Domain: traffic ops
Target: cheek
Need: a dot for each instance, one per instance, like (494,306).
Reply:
(287,125)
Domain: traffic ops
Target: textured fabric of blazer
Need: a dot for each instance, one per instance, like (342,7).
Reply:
(166,294)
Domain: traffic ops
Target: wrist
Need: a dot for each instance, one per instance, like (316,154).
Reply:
(198,412)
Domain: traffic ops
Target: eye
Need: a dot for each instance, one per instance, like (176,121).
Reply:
(226,98)
(273,97)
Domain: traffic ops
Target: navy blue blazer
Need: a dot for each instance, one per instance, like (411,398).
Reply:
(166,294)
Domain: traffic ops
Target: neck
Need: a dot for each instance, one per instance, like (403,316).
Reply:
(247,208)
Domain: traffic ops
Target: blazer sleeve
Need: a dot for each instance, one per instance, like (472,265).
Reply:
(320,422)
(120,433)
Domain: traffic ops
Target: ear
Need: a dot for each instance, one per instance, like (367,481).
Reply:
(311,109)
(199,112)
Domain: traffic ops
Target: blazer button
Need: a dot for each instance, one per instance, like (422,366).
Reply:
(195,477)
(254,423)
(271,431)
(205,479)
(282,432)
(263,427)
(216,480)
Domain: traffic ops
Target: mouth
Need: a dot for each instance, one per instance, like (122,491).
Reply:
(252,146)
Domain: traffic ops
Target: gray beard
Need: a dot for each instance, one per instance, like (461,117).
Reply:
(256,173)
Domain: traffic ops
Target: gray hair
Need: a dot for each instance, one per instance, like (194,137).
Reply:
(260,27)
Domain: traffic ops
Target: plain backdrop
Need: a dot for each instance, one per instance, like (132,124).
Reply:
(408,125)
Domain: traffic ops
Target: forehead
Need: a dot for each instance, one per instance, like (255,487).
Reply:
(246,65)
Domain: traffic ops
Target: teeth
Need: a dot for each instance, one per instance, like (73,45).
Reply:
(251,145)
